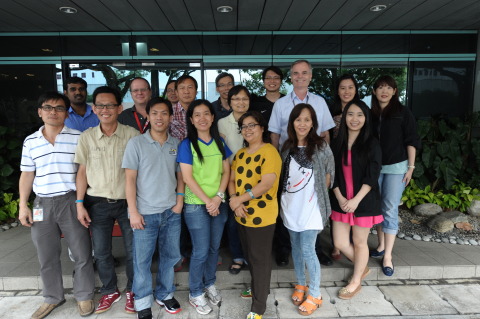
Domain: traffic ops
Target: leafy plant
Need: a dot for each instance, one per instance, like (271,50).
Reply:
(10,151)
(8,207)
(449,152)
(459,197)
(414,195)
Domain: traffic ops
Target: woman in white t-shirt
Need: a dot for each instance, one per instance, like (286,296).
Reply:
(308,169)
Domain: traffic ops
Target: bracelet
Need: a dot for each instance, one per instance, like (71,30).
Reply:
(79,201)
(182,194)
(249,191)
(411,166)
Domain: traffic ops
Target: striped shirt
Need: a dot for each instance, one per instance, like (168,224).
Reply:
(54,168)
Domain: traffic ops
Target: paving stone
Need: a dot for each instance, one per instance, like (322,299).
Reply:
(4,293)
(426,272)
(368,303)
(465,298)
(286,309)
(459,271)
(233,306)
(28,293)
(416,300)
(21,283)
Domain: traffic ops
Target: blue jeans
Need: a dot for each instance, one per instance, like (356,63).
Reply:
(206,233)
(162,230)
(233,239)
(103,214)
(303,254)
(391,190)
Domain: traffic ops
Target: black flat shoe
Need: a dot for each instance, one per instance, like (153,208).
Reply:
(235,270)
(388,271)
(171,305)
(282,260)
(376,254)
(324,259)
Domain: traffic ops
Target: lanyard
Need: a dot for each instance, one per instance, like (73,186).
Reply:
(293,98)
(142,129)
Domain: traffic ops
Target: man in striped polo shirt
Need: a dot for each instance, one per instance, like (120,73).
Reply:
(48,168)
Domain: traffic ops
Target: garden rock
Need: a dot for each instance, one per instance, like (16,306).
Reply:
(455,216)
(474,208)
(5,227)
(473,242)
(416,237)
(401,235)
(15,224)
(427,209)
(426,238)
(440,224)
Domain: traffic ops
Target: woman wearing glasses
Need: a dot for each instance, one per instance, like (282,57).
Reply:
(253,198)
(239,101)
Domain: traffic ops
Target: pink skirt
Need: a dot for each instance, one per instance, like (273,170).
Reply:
(349,218)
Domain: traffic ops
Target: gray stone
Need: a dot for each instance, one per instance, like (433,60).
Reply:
(417,301)
(408,238)
(427,209)
(5,227)
(473,242)
(455,216)
(429,236)
(452,241)
(460,241)
(425,238)
(438,240)
(452,237)
(463,297)
(474,208)
(417,237)
(440,224)
(15,224)
(401,235)
(445,240)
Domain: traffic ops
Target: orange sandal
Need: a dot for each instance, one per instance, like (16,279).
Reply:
(299,294)
(311,304)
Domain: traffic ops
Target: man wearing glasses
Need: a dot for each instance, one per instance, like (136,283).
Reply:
(136,116)
(48,168)
(223,82)
(272,81)
(101,192)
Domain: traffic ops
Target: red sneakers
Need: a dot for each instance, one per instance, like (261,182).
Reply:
(130,304)
(107,301)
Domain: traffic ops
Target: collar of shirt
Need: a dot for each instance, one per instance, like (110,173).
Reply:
(149,138)
(179,107)
(118,131)
(231,118)
(296,98)
(88,111)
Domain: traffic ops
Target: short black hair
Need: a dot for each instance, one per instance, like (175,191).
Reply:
(275,69)
(107,89)
(258,117)
(235,90)
(140,78)
(224,75)
(52,95)
(74,80)
(159,100)
(183,78)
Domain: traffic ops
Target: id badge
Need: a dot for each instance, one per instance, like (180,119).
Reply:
(37,211)
(38,214)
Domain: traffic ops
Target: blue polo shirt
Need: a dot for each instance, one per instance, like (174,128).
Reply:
(79,122)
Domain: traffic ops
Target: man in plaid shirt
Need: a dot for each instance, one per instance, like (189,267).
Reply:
(186,88)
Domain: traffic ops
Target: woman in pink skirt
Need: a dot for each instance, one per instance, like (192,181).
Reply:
(356,200)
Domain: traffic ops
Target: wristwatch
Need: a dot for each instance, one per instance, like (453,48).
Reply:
(222,196)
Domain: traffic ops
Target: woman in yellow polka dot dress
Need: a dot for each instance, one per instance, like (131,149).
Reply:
(253,198)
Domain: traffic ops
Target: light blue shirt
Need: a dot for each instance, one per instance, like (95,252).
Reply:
(397,168)
(284,106)
(156,167)
(79,122)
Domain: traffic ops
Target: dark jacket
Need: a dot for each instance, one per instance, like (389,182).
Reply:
(395,134)
(363,173)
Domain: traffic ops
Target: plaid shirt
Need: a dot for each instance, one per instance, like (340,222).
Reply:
(178,127)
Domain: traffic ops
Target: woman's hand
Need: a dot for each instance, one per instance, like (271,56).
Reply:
(407,177)
(213,205)
(235,202)
(241,211)
(350,205)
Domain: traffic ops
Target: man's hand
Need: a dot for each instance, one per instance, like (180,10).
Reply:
(136,220)
(83,216)
(25,216)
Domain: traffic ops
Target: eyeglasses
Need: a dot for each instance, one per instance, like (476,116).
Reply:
(49,108)
(139,90)
(170,90)
(276,78)
(106,106)
(250,126)
(237,99)
(229,84)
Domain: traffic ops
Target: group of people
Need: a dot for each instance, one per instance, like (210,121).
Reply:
(263,168)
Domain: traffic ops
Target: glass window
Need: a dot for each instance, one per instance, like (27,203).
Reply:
(442,87)
(443,43)
(152,45)
(375,43)
(23,46)
(98,45)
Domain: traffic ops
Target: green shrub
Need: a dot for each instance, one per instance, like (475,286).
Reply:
(8,207)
